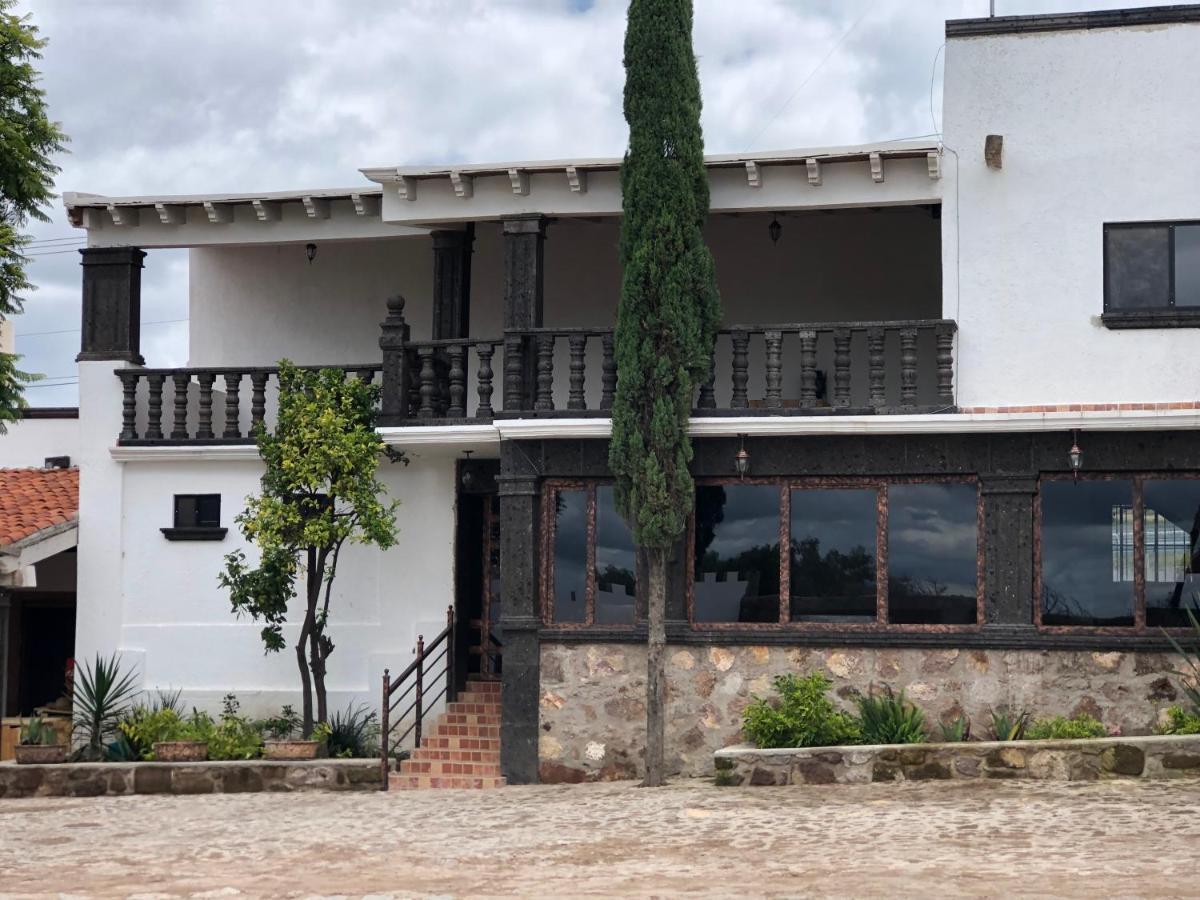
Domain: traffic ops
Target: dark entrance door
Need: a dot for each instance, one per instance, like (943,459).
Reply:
(477,602)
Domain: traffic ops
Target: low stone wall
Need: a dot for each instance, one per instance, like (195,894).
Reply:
(243,776)
(1075,760)
(593,712)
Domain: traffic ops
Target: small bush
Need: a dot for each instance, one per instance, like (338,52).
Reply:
(144,728)
(956,731)
(1180,721)
(234,736)
(888,718)
(283,726)
(354,733)
(801,717)
(1060,728)
(1007,726)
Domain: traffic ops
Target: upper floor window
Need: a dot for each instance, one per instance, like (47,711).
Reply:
(1152,274)
(197,518)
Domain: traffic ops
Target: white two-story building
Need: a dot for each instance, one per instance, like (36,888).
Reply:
(964,372)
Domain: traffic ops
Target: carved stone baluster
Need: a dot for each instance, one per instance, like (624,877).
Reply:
(773,342)
(608,372)
(428,389)
(258,398)
(875,371)
(741,345)
(908,366)
(578,343)
(708,398)
(233,428)
(545,372)
(514,372)
(457,408)
(484,381)
(414,383)
(808,369)
(179,430)
(945,364)
(204,430)
(841,367)
(154,407)
(396,374)
(129,381)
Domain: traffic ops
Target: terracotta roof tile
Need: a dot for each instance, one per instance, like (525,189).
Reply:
(33,499)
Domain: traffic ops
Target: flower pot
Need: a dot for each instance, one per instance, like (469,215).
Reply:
(40,754)
(181,751)
(292,749)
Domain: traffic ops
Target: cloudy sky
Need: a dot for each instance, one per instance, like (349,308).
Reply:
(184,96)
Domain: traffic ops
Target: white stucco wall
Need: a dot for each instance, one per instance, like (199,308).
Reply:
(1097,128)
(29,441)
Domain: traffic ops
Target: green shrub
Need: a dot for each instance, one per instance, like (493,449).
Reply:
(144,727)
(37,732)
(1180,721)
(886,718)
(232,737)
(1191,659)
(354,733)
(956,730)
(1060,728)
(283,726)
(801,717)
(1009,727)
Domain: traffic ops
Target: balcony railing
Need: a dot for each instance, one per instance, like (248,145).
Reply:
(830,368)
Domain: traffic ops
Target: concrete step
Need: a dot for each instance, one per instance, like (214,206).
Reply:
(400,782)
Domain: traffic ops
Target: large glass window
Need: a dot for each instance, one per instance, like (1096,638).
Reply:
(1171,543)
(833,556)
(1151,266)
(570,555)
(616,563)
(932,554)
(1087,565)
(736,577)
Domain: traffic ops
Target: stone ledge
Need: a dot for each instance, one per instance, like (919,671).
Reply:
(226,777)
(1165,756)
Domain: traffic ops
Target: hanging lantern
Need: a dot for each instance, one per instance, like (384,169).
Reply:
(774,230)
(1075,455)
(741,460)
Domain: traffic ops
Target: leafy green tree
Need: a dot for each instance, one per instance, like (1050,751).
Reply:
(669,310)
(319,491)
(27,141)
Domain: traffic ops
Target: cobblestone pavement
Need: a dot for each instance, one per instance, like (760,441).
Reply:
(1115,839)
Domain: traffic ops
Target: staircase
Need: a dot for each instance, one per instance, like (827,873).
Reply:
(463,748)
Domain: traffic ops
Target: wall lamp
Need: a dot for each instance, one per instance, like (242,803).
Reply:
(741,460)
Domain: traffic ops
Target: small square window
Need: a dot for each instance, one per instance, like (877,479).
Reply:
(197,518)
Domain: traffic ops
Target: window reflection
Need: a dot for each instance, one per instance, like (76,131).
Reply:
(570,556)
(616,563)
(932,554)
(1170,538)
(1086,569)
(737,553)
(833,555)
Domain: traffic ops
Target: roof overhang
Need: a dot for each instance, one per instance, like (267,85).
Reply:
(194,220)
(894,173)
(36,547)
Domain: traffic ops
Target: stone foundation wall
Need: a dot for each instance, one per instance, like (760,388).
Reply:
(592,697)
(114,779)
(1174,756)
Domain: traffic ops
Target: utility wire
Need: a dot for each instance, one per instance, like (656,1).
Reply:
(25,334)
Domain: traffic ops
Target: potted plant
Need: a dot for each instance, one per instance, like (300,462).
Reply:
(283,740)
(165,736)
(38,744)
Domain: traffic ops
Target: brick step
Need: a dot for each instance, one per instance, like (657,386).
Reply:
(446,729)
(400,782)
(436,742)
(483,687)
(446,754)
(476,697)
(446,767)
(452,718)
(463,707)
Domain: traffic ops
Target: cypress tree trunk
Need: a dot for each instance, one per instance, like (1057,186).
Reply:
(669,311)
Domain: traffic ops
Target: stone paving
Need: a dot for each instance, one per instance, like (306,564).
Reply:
(1114,839)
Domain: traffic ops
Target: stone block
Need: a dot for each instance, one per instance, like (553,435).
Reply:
(152,779)
(1181,761)
(1123,759)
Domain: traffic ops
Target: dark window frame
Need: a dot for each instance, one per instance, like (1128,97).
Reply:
(550,489)
(194,531)
(1168,316)
(881,623)
(1138,506)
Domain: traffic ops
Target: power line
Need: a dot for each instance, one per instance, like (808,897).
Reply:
(26,334)
(809,78)
(74,239)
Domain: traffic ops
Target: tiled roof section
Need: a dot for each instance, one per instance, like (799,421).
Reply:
(34,499)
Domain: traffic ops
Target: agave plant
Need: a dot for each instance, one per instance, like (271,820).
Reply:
(1191,660)
(38,732)
(1007,727)
(888,718)
(103,694)
(956,730)
(354,733)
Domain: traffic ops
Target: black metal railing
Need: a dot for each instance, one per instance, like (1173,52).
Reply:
(433,664)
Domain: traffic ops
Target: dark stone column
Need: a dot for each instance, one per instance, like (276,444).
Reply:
(1008,534)
(112,304)
(452,283)
(521,616)
(524,274)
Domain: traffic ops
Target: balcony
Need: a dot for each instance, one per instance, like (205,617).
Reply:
(795,369)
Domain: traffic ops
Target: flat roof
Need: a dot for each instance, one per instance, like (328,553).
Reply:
(1106,18)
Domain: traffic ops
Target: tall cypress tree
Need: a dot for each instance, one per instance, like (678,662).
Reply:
(668,314)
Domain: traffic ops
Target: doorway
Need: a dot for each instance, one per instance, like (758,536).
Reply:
(478,639)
